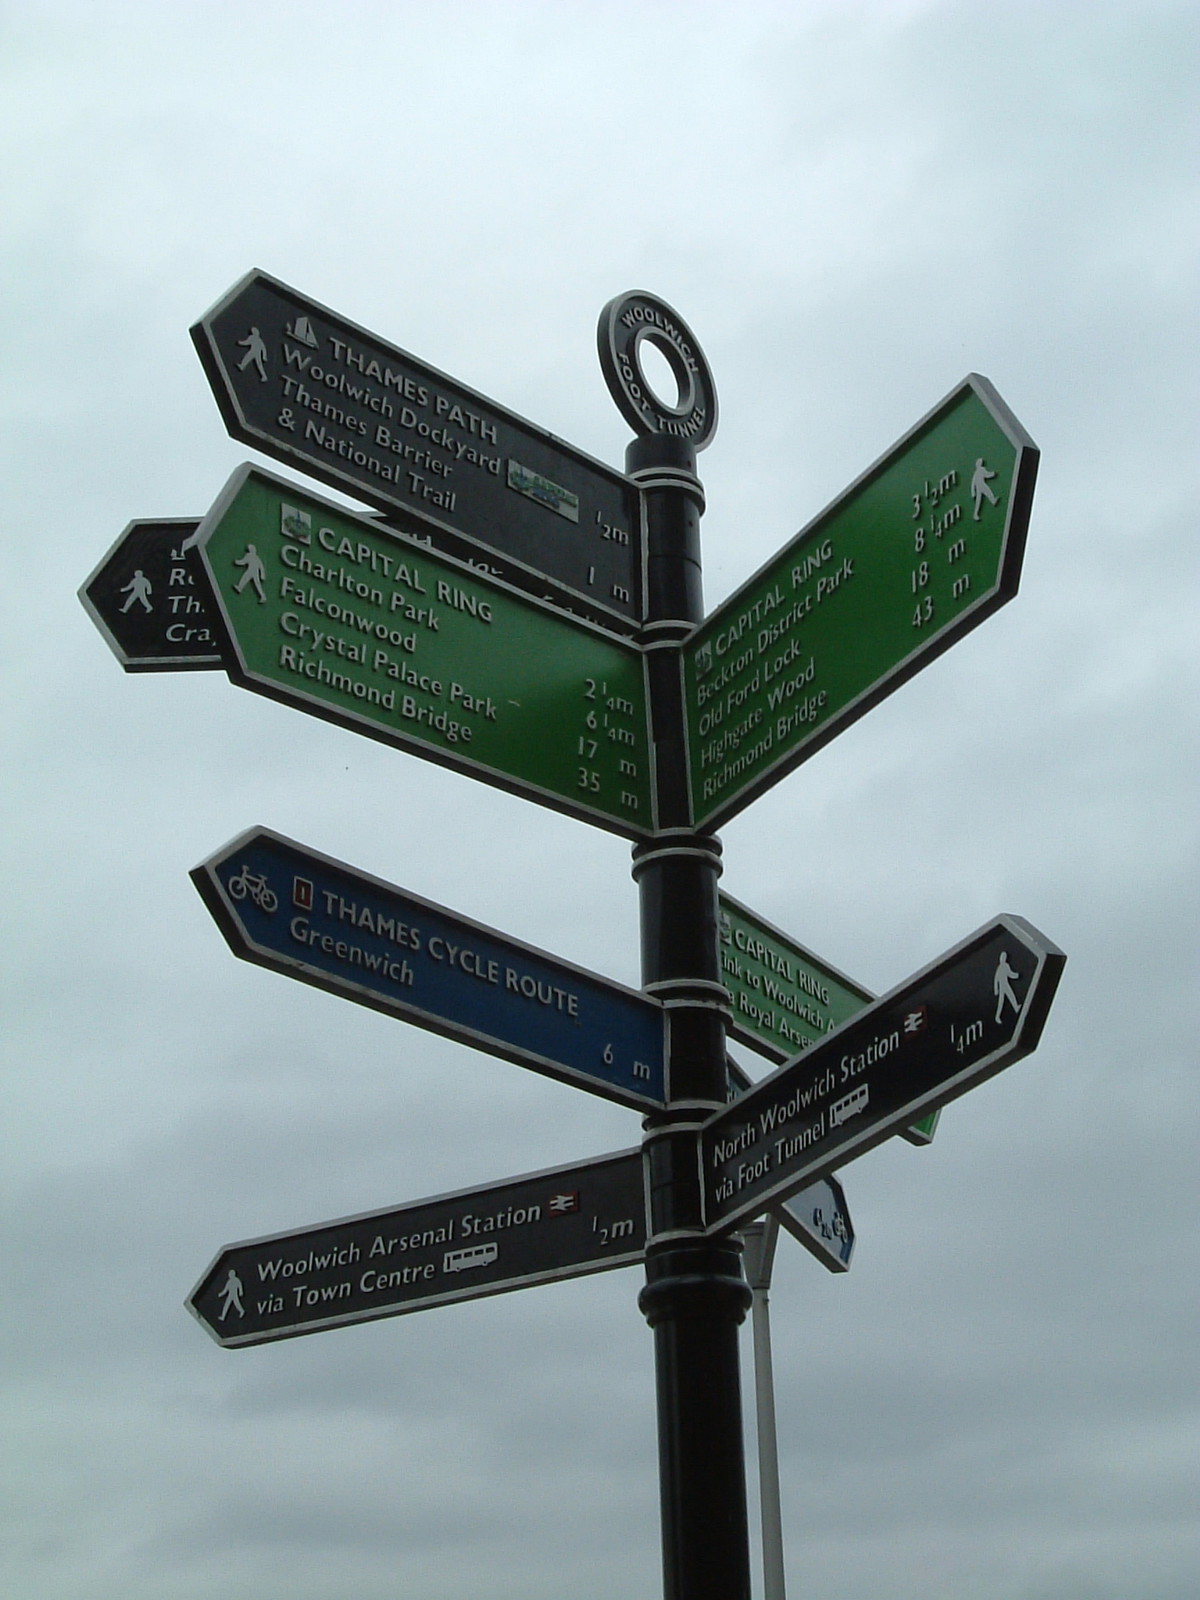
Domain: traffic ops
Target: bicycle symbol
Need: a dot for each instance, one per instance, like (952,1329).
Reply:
(255,885)
(834,1228)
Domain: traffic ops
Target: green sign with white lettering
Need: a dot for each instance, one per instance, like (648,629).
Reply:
(924,546)
(336,615)
(784,998)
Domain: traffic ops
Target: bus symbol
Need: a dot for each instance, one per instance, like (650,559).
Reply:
(478,1255)
(848,1106)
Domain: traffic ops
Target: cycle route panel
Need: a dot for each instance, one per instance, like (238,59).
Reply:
(284,906)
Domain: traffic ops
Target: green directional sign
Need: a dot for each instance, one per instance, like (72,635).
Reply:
(922,548)
(372,629)
(784,998)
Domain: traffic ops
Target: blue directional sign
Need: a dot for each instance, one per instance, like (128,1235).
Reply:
(284,906)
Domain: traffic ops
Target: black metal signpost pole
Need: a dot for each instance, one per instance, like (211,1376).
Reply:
(695,1295)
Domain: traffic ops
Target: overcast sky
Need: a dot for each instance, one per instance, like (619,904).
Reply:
(853,205)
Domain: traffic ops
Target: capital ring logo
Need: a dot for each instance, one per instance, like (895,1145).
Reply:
(626,323)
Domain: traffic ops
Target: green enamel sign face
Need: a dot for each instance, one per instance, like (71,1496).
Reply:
(784,998)
(920,550)
(330,612)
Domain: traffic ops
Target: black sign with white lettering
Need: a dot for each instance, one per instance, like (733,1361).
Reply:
(311,389)
(543,1226)
(150,600)
(978,1008)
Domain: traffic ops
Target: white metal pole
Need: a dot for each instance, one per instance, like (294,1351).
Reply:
(760,1240)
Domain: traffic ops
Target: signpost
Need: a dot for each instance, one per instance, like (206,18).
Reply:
(147,598)
(310,917)
(347,620)
(916,553)
(490,626)
(304,385)
(959,1021)
(533,1229)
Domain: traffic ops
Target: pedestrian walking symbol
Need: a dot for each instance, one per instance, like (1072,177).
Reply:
(231,1296)
(139,590)
(255,573)
(256,353)
(981,489)
(1002,985)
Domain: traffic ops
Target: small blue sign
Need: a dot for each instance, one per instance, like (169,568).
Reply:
(284,906)
(818,1217)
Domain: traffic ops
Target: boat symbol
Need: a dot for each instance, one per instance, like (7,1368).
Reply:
(301,330)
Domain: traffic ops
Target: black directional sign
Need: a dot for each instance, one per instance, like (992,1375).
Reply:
(149,599)
(307,387)
(284,906)
(542,1226)
(978,1008)
(538,1228)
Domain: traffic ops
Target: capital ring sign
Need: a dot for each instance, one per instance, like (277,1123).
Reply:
(626,323)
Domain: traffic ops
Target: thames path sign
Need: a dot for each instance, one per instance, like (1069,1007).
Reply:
(147,599)
(532,1229)
(964,1018)
(343,618)
(289,908)
(916,553)
(319,393)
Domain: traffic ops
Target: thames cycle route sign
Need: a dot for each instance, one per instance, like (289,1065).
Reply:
(310,917)
(345,619)
(916,553)
(968,1015)
(319,393)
